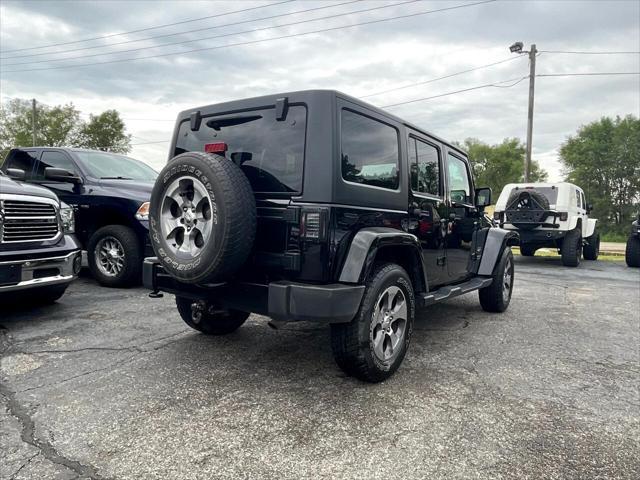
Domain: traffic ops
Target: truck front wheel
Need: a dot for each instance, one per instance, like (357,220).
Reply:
(592,247)
(207,319)
(527,251)
(372,346)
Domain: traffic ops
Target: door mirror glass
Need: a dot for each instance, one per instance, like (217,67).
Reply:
(61,175)
(458,196)
(483,197)
(17,174)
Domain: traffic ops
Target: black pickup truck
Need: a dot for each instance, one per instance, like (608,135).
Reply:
(110,194)
(38,253)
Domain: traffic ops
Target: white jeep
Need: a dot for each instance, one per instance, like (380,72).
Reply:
(552,215)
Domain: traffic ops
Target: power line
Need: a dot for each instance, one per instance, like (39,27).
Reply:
(148,28)
(517,81)
(495,84)
(587,74)
(370,22)
(441,78)
(172,34)
(589,53)
(183,42)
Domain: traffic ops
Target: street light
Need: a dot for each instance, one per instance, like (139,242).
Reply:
(517,48)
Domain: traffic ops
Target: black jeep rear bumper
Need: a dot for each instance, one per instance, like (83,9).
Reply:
(281,300)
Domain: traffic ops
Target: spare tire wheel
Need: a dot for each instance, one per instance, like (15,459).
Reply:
(202,219)
(518,204)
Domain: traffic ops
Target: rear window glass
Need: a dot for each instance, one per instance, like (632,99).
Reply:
(269,152)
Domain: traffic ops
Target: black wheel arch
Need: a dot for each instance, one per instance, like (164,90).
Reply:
(497,240)
(381,244)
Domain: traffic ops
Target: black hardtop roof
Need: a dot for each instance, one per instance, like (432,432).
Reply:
(265,99)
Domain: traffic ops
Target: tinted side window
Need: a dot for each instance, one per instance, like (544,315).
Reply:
(459,185)
(56,160)
(23,160)
(425,167)
(584,203)
(370,151)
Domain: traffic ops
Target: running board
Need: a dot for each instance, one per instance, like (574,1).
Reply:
(445,293)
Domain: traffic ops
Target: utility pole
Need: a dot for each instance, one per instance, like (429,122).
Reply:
(532,81)
(33,120)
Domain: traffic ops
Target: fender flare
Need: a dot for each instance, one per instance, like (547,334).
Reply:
(496,241)
(591,227)
(365,245)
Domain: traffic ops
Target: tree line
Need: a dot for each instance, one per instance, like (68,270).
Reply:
(61,125)
(603,157)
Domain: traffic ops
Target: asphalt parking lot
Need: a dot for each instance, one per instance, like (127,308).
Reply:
(111,384)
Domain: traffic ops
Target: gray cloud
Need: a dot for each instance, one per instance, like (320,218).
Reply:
(358,60)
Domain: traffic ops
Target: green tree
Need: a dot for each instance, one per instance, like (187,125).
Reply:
(604,159)
(55,126)
(496,165)
(106,132)
(60,126)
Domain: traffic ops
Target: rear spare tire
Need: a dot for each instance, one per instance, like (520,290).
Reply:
(202,219)
(518,204)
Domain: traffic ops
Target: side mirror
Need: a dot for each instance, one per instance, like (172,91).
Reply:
(17,174)
(61,175)
(483,197)
(589,207)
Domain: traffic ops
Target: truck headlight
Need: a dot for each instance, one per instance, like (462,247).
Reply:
(143,212)
(67,218)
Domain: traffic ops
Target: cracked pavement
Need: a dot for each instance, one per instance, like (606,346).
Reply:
(109,384)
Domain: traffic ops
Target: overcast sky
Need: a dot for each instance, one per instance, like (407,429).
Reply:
(360,60)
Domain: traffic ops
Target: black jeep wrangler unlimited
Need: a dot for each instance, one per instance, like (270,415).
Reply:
(315,206)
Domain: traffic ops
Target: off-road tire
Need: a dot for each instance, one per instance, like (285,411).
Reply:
(351,342)
(212,322)
(591,249)
(536,196)
(632,252)
(495,298)
(234,222)
(130,274)
(571,250)
(527,250)
(47,295)
(539,197)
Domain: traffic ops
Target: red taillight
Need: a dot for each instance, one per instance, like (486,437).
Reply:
(313,224)
(219,147)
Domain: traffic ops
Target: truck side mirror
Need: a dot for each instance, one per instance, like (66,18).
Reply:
(483,197)
(17,174)
(589,207)
(61,175)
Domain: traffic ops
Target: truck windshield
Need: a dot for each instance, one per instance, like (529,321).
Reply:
(270,152)
(106,165)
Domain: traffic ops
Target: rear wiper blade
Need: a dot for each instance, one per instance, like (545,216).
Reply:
(116,178)
(218,123)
